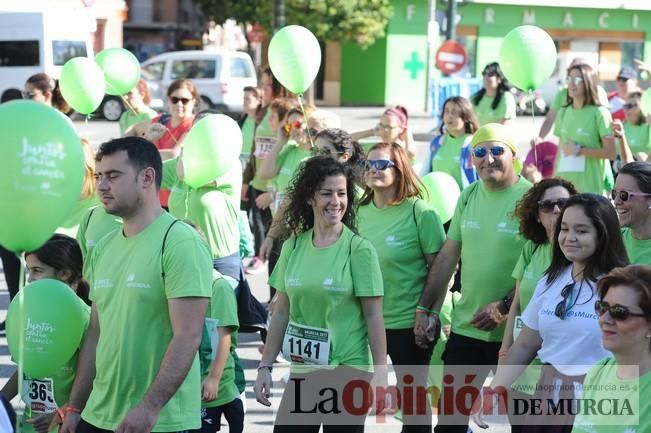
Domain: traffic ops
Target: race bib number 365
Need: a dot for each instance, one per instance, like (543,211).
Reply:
(306,344)
(38,395)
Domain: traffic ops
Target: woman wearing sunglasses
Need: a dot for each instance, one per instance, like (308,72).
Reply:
(328,315)
(559,324)
(406,233)
(450,151)
(537,211)
(632,198)
(494,102)
(625,320)
(633,133)
(584,127)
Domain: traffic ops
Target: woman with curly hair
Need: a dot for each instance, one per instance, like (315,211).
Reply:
(328,311)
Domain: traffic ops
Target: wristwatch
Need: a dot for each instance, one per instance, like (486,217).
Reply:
(507,301)
(577,149)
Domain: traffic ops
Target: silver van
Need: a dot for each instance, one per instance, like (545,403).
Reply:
(220,76)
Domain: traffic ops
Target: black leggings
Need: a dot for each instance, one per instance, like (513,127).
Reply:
(409,359)
(211,417)
(260,220)
(85,427)
(11,267)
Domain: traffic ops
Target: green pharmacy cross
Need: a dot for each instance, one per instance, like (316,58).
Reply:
(413,65)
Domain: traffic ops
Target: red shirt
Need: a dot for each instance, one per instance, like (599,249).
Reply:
(617,106)
(169,140)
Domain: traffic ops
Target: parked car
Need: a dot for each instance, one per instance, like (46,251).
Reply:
(220,77)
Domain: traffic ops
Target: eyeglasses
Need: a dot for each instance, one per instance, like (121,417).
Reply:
(625,195)
(174,100)
(383,127)
(481,152)
(547,206)
(378,164)
(575,80)
(296,124)
(29,95)
(630,105)
(562,307)
(617,312)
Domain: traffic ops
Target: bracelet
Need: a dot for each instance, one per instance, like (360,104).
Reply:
(424,309)
(62,411)
(266,365)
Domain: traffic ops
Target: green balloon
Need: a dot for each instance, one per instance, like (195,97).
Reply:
(527,57)
(121,70)
(48,318)
(645,102)
(82,84)
(41,173)
(294,57)
(211,148)
(442,193)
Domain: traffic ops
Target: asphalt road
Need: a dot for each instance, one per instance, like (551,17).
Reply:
(259,419)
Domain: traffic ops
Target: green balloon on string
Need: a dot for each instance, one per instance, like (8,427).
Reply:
(82,84)
(527,57)
(121,70)
(294,57)
(645,102)
(442,193)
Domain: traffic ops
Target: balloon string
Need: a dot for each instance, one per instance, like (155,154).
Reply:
(533,128)
(21,334)
(299,96)
(129,106)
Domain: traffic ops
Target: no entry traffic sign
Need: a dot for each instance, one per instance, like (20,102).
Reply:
(450,57)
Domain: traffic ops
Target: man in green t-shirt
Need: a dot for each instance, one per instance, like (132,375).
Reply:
(484,235)
(138,368)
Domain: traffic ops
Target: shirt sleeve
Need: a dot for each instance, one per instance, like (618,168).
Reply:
(170,178)
(530,314)
(523,261)
(81,233)
(604,122)
(559,100)
(277,277)
(430,230)
(365,268)
(509,106)
(224,305)
(454,231)
(187,263)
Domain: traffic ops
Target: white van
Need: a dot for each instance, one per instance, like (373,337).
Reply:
(220,76)
(34,42)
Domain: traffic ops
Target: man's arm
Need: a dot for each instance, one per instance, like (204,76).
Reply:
(85,373)
(187,318)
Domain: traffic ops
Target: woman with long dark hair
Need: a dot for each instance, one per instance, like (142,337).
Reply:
(494,103)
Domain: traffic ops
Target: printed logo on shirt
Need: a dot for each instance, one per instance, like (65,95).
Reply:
(580,131)
(474,225)
(504,228)
(294,282)
(103,284)
(131,282)
(528,275)
(392,241)
(328,285)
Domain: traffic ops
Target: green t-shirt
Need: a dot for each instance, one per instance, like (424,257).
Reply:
(560,99)
(504,110)
(61,383)
(585,126)
(263,130)
(324,286)
(490,246)
(402,234)
(603,385)
(448,158)
(532,264)
(95,224)
(639,250)
(289,159)
(222,312)
(131,296)
(213,208)
(638,137)
(71,225)
(128,118)
(248,131)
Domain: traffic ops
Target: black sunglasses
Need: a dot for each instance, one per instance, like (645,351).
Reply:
(562,307)
(378,164)
(28,95)
(617,312)
(547,206)
(625,195)
(176,100)
(629,105)
(481,151)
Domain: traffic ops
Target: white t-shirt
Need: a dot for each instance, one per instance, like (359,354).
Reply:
(571,345)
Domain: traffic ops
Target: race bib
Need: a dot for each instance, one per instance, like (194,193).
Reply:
(571,163)
(38,395)
(263,145)
(211,328)
(306,344)
(517,327)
